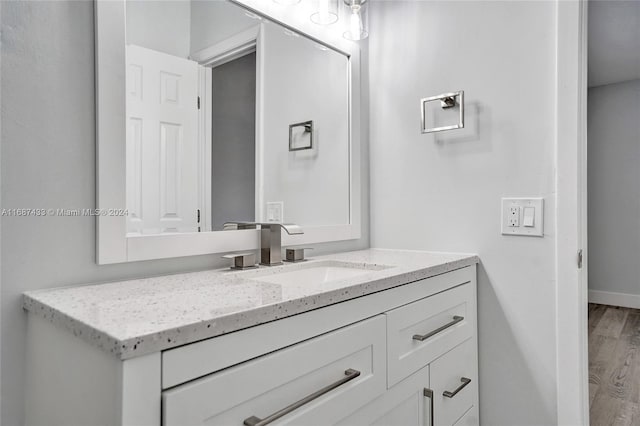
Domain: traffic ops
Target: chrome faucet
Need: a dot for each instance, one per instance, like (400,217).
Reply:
(270,238)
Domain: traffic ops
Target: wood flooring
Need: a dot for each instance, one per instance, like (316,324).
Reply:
(614,366)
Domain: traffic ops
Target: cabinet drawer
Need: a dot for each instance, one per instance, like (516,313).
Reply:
(454,381)
(421,331)
(352,359)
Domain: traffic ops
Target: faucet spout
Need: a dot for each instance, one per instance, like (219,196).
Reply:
(270,238)
(292,228)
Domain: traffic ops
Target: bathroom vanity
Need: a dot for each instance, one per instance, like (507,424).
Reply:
(370,337)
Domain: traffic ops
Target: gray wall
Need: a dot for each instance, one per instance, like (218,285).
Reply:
(614,187)
(48,160)
(442,191)
(233,150)
(215,21)
(163,25)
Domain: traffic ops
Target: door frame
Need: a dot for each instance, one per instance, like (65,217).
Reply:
(571,214)
(237,46)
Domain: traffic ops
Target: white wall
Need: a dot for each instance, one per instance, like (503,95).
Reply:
(162,25)
(442,192)
(614,193)
(48,160)
(305,83)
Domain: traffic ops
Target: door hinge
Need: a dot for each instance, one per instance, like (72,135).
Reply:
(198,216)
(198,102)
(580,259)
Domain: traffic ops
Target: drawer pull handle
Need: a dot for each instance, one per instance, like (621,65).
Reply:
(428,393)
(464,381)
(421,337)
(350,374)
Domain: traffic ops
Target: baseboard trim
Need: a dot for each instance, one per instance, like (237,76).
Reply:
(614,299)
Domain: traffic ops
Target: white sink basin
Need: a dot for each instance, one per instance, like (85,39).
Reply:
(319,273)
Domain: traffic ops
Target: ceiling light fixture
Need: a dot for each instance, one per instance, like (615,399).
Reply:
(326,12)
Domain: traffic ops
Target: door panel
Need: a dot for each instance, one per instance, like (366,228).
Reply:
(405,404)
(162,144)
(453,396)
(470,418)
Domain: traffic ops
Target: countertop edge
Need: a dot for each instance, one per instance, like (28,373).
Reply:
(173,337)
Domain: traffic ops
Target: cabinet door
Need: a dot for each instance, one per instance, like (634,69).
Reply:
(454,381)
(470,418)
(405,404)
(317,382)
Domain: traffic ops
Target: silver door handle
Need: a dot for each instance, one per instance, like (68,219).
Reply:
(450,394)
(428,393)
(350,374)
(421,337)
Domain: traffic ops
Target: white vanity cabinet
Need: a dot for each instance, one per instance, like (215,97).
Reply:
(404,356)
(406,359)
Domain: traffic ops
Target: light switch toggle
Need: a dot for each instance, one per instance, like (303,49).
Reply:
(528,217)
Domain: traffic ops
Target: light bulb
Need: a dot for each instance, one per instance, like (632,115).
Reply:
(356,26)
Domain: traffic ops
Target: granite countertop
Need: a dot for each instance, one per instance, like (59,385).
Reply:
(138,317)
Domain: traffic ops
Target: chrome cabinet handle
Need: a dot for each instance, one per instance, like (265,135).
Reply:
(421,337)
(350,374)
(428,393)
(450,394)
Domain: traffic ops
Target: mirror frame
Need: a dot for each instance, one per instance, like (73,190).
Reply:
(112,243)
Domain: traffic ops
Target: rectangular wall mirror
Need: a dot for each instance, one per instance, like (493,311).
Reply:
(196,105)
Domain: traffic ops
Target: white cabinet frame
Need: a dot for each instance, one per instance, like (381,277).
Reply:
(112,243)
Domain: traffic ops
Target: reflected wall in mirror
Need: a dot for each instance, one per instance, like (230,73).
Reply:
(211,92)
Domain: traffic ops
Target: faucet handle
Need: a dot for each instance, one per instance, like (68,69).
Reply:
(242,260)
(296,254)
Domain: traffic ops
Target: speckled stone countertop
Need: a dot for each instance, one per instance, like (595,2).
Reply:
(138,317)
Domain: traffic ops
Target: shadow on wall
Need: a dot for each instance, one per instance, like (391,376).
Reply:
(476,129)
(499,351)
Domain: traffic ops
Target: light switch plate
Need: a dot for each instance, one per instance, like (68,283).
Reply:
(516,225)
(275,211)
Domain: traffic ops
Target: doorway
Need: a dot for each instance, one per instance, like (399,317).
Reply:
(233,141)
(613,209)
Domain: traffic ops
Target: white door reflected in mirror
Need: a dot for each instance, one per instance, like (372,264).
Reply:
(162,151)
